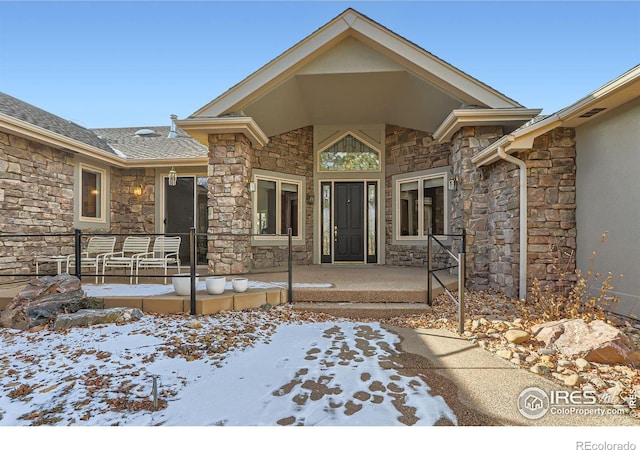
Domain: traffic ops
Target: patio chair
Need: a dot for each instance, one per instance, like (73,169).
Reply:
(164,254)
(93,254)
(132,248)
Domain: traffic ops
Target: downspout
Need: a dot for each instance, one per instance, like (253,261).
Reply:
(523,218)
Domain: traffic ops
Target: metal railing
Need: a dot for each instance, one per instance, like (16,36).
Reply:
(78,236)
(460,264)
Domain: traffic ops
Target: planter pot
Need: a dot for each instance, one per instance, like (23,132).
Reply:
(240,284)
(182,285)
(215,285)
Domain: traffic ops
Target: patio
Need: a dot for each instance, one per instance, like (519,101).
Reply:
(342,290)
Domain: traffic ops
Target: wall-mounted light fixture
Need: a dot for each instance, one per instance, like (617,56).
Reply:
(252,186)
(452,184)
(173,177)
(138,190)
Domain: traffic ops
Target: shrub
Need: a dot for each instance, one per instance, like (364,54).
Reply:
(576,295)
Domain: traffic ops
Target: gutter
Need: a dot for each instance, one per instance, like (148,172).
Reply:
(523,219)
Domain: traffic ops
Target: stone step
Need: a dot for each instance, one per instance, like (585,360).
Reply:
(363,310)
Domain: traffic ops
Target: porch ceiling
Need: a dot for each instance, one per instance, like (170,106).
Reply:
(394,97)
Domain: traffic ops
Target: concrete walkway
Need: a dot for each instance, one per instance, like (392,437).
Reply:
(490,385)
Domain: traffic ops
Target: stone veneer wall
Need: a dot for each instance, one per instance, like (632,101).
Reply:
(289,153)
(551,191)
(551,165)
(229,203)
(470,202)
(130,213)
(408,151)
(36,196)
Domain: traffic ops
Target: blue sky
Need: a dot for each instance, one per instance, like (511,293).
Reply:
(112,64)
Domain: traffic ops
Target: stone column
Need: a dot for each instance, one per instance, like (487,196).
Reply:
(229,204)
(470,200)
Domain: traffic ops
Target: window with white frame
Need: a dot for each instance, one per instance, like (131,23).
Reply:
(420,203)
(92,194)
(278,205)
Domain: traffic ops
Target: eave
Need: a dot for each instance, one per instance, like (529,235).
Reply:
(459,118)
(200,128)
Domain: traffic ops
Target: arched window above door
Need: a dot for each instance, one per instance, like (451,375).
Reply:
(349,154)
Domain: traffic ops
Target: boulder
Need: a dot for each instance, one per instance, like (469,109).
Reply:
(596,342)
(42,299)
(517,336)
(87,317)
(548,332)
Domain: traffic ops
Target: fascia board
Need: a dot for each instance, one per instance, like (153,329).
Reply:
(521,139)
(274,72)
(433,69)
(176,162)
(36,133)
(201,127)
(478,117)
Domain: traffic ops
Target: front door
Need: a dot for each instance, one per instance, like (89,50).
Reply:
(349,221)
(349,228)
(185,207)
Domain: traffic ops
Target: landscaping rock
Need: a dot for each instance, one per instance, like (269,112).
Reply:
(597,342)
(517,336)
(42,299)
(573,380)
(582,364)
(540,369)
(506,354)
(87,317)
(548,332)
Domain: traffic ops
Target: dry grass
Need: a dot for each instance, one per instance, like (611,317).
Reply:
(588,295)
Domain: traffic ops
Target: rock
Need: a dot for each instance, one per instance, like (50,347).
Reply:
(481,336)
(597,342)
(475,325)
(87,317)
(492,330)
(41,300)
(531,358)
(540,369)
(194,324)
(564,363)
(548,332)
(573,380)
(547,351)
(517,336)
(506,354)
(582,364)
(612,396)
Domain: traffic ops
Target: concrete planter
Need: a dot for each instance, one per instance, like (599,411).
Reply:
(240,284)
(215,285)
(182,285)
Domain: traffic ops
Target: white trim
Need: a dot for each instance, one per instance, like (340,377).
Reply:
(103,174)
(459,118)
(200,128)
(351,23)
(396,181)
(278,178)
(357,138)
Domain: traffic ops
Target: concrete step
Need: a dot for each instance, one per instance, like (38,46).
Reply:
(363,310)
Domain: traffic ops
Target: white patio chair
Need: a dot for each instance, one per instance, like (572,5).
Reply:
(93,254)
(164,254)
(132,248)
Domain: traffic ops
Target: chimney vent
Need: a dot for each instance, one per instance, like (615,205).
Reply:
(173,133)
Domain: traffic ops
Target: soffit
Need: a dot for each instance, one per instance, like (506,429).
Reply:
(353,70)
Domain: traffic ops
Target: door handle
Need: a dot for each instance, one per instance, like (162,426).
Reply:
(335,233)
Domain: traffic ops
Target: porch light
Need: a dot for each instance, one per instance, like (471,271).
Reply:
(137,190)
(173,177)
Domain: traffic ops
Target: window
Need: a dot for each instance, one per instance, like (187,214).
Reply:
(421,203)
(92,190)
(277,205)
(349,154)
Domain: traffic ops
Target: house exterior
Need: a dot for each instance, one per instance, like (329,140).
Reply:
(358,141)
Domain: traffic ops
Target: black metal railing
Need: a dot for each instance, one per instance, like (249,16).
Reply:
(459,264)
(78,237)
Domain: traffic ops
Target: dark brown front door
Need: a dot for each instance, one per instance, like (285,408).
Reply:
(349,226)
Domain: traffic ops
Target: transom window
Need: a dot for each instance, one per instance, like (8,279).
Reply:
(421,203)
(92,188)
(278,205)
(349,154)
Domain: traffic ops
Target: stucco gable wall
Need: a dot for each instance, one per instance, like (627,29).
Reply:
(608,161)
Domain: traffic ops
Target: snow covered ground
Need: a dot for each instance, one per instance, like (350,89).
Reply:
(240,368)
